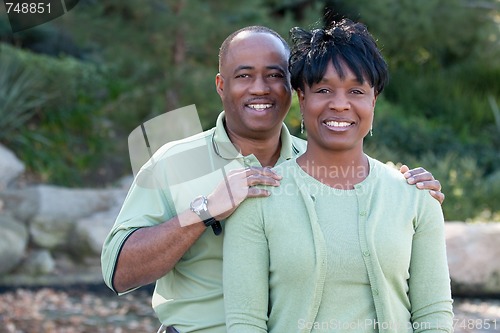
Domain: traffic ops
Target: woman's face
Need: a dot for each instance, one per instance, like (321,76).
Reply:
(338,112)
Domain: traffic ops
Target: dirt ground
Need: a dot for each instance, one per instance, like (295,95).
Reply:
(58,311)
(49,310)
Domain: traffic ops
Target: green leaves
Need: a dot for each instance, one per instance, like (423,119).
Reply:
(21,95)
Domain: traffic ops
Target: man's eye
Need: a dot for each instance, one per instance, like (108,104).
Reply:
(242,76)
(357,92)
(277,75)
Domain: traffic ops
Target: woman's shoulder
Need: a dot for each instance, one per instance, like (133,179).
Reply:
(394,181)
(388,178)
(287,169)
(387,171)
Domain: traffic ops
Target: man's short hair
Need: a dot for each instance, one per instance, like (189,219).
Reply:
(224,48)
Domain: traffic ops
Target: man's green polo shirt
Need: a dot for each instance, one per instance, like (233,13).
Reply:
(190,296)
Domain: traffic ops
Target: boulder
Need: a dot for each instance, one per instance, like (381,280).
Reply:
(10,167)
(90,233)
(38,262)
(21,203)
(13,244)
(59,208)
(473,257)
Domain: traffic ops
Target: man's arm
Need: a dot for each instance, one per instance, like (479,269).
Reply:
(151,252)
(424,180)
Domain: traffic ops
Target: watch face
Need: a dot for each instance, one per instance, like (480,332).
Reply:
(198,204)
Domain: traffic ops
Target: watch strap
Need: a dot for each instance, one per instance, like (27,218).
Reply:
(216,226)
(205,216)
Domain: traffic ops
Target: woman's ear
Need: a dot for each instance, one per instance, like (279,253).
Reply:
(300,97)
(374,102)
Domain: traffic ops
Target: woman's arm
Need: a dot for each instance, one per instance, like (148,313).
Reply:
(246,270)
(429,283)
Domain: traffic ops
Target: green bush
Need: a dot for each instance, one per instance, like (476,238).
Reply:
(60,132)
(20,97)
(467,170)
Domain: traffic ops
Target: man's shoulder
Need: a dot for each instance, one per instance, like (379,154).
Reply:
(187,143)
(174,151)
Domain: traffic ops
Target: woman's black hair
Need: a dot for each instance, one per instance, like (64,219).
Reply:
(343,42)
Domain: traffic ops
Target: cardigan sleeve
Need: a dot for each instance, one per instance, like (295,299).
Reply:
(246,269)
(429,283)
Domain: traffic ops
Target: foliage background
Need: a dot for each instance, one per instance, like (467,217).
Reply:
(73,89)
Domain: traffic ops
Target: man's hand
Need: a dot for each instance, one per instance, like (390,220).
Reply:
(424,180)
(239,185)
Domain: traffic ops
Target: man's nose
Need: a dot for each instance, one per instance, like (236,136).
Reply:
(260,86)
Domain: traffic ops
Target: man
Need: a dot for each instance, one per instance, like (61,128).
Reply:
(161,232)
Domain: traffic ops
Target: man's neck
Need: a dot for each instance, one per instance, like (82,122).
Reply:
(267,150)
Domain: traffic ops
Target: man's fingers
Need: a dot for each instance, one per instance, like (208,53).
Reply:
(404,169)
(420,177)
(438,195)
(415,172)
(238,185)
(433,185)
(254,192)
(264,171)
(257,179)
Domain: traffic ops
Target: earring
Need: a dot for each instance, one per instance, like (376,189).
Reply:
(302,126)
(371,131)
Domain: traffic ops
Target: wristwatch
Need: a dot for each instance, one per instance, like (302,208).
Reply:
(199,207)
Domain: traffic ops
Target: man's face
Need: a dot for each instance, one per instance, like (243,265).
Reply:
(254,86)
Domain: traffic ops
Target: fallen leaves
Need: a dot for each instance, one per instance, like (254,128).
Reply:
(57,311)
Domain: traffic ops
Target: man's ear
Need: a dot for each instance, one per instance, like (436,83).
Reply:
(219,84)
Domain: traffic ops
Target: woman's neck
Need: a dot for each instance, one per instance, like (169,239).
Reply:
(337,169)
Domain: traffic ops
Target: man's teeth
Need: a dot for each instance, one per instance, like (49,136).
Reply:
(259,106)
(338,123)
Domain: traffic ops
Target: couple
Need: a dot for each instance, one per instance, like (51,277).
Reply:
(161,234)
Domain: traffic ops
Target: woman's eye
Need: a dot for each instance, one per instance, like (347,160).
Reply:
(322,91)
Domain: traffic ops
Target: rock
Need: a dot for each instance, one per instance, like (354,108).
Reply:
(39,262)
(13,244)
(10,167)
(60,208)
(473,257)
(90,233)
(21,203)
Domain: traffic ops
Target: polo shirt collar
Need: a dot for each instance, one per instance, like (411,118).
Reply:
(228,150)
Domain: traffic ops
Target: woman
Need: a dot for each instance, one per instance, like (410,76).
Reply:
(343,244)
